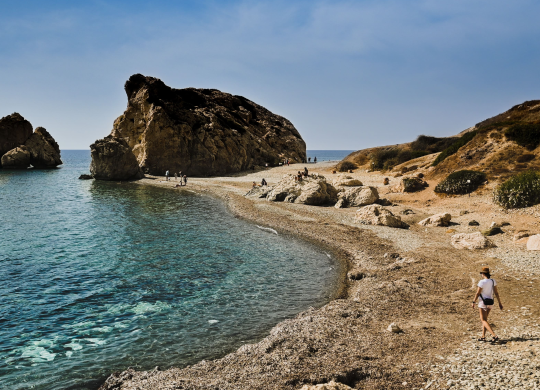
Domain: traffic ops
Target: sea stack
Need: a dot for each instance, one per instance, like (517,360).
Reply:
(20,147)
(201,132)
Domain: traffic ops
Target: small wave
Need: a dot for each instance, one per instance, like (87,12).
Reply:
(267,229)
(213,321)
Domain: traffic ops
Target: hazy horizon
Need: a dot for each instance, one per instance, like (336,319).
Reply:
(347,74)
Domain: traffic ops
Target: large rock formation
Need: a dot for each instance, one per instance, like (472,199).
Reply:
(312,190)
(14,131)
(20,148)
(357,197)
(16,158)
(44,151)
(201,132)
(112,159)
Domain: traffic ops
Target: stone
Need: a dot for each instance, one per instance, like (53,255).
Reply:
(533,243)
(259,192)
(471,241)
(312,190)
(346,181)
(442,219)
(327,386)
(378,215)
(410,184)
(474,223)
(383,202)
(521,234)
(85,177)
(17,158)
(14,131)
(357,197)
(202,132)
(44,151)
(112,159)
(394,328)
(386,181)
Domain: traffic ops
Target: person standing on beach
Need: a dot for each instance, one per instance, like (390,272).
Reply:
(185,180)
(175,176)
(167,176)
(487,287)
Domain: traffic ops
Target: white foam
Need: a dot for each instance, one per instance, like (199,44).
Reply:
(96,342)
(267,229)
(69,353)
(74,346)
(80,325)
(213,321)
(145,307)
(37,354)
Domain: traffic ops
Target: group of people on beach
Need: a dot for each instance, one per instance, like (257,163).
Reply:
(263,183)
(183,179)
(301,175)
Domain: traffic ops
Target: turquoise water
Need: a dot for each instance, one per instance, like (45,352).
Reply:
(99,276)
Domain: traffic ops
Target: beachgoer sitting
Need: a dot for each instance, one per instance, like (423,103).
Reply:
(254,185)
(263,182)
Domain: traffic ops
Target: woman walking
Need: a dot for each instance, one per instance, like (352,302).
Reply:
(484,295)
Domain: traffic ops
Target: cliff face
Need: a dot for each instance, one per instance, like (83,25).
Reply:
(201,132)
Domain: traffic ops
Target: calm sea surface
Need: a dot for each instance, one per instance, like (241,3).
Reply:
(99,276)
(328,155)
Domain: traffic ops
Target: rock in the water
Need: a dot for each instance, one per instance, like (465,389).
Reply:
(259,192)
(85,177)
(202,132)
(533,243)
(442,219)
(17,158)
(471,241)
(411,184)
(112,159)
(378,215)
(312,190)
(346,181)
(327,386)
(394,328)
(44,151)
(357,197)
(14,131)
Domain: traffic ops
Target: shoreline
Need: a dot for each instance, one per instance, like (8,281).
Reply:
(346,339)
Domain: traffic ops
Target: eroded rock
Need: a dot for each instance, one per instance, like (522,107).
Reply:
(471,241)
(44,151)
(17,158)
(346,181)
(312,190)
(378,215)
(14,131)
(442,219)
(112,159)
(357,197)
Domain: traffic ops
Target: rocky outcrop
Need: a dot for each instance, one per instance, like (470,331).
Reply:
(442,219)
(312,190)
(357,197)
(44,151)
(378,215)
(202,132)
(17,158)
(471,241)
(14,131)
(112,159)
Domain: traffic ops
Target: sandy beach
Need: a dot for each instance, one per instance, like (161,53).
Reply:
(411,277)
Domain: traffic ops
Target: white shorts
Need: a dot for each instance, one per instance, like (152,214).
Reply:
(482,306)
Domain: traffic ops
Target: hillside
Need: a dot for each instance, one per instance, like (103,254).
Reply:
(499,146)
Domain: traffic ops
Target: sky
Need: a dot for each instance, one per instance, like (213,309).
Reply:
(347,74)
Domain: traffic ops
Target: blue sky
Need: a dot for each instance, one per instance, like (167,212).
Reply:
(348,74)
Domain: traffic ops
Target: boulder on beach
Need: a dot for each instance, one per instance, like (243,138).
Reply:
(346,181)
(327,386)
(533,243)
(410,184)
(44,151)
(112,159)
(357,197)
(378,215)
(202,132)
(17,158)
(442,219)
(471,241)
(312,190)
(14,131)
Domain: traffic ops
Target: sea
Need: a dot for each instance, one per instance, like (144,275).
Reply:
(96,277)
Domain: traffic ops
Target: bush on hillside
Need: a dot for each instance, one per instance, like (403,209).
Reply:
(345,166)
(525,134)
(413,184)
(387,159)
(525,158)
(521,190)
(431,144)
(452,149)
(461,182)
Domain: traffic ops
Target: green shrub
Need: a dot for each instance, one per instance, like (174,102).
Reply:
(525,134)
(379,157)
(344,166)
(430,144)
(413,184)
(521,190)
(461,182)
(452,149)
